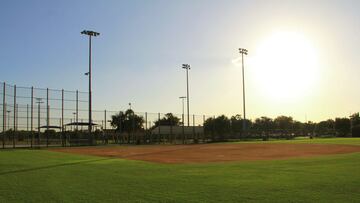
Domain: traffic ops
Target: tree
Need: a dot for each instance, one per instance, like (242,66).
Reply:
(309,128)
(219,127)
(169,120)
(264,124)
(355,119)
(209,126)
(284,123)
(325,127)
(355,131)
(298,127)
(127,122)
(342,126)
(237,123)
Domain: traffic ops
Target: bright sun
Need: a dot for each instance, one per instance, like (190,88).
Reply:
(285,66)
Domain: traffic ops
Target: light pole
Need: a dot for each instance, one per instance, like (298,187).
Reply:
(130,105)
(187,67)
(242,52)
(38,101)
(90,34)
(182,100)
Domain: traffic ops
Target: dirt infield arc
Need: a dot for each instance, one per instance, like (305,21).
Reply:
(203,153)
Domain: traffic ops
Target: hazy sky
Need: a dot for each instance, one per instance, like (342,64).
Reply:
(303,55)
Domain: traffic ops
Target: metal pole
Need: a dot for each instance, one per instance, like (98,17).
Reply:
(193,126)
(187,98)
(77,109)
(146,127)
(120,128)
(183,129)
(47,117)
(203,129)
(8,122)
(62,117)
(243,80)
(32,116)
(159,127)
(105,120)
(17,117)
(48,124)
(14,121)
(133,127)
(27,117)
(4,114)
(183,111)
(90,110)
(105,127)
(38,124)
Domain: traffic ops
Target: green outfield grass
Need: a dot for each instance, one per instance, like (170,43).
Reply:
(43,176)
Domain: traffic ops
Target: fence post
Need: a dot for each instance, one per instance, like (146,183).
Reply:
(183,129)
(32,116)
(47,117)
(14,119)
(105,135)
(17,117)
(194,134)
(62,119)
(203,129)
(133,128)
(4,115)
(38,137)
(150,132)
(77,109)
(27,117)
(146,128)
(171,132)
(120,130)
(159,136)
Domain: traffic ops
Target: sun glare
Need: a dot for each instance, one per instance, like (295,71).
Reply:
(285,66)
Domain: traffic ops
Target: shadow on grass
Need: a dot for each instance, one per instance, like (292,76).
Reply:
(51,166)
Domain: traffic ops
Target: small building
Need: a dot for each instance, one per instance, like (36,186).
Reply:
(177,130)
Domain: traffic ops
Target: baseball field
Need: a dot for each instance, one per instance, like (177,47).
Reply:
(303,170)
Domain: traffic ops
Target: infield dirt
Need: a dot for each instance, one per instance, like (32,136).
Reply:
(203,153)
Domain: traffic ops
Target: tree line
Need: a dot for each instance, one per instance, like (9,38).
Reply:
(223,127)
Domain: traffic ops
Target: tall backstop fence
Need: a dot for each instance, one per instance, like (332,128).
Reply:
(43,117)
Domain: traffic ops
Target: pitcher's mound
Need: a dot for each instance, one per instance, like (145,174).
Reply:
(202,153)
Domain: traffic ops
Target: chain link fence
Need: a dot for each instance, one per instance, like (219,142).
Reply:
(43,117)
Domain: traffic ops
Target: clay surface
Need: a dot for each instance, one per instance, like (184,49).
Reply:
(203,153)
